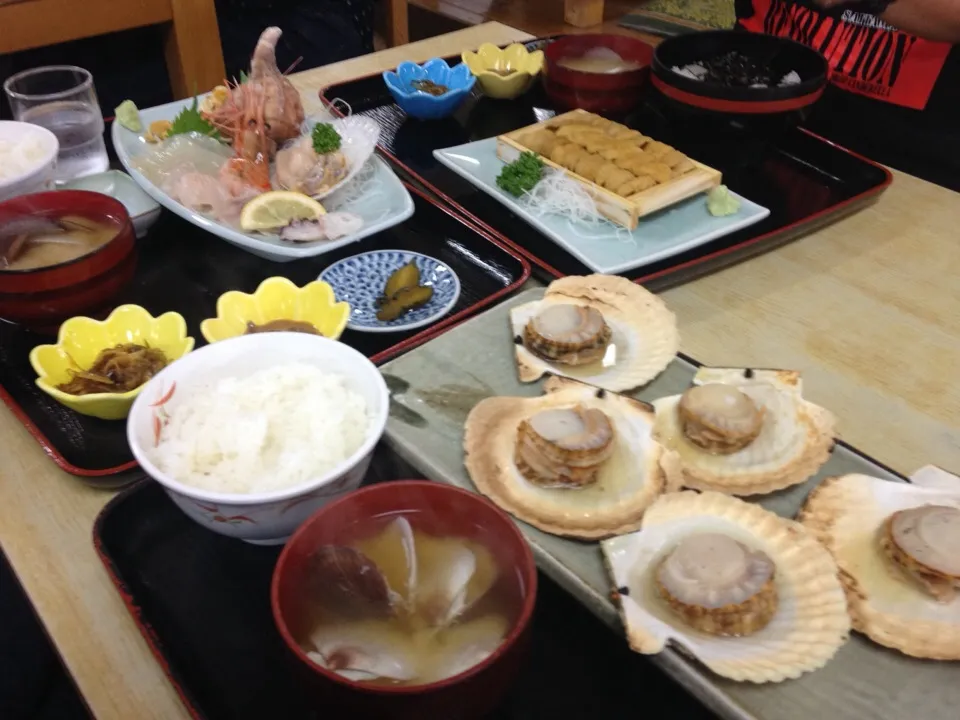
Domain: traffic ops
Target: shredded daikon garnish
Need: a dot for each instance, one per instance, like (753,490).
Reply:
(559,194)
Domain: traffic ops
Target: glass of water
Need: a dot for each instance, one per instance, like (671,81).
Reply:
(62,99)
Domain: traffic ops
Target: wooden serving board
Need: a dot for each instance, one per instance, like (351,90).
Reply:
(625,211)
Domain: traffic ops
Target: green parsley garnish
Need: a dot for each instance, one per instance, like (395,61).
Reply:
(325,138)
(521,175)
(190,120)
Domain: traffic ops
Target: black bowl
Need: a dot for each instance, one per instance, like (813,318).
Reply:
(777,106)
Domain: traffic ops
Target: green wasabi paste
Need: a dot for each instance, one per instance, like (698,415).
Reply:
(721,202)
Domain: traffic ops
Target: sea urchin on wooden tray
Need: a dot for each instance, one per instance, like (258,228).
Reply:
(681,177)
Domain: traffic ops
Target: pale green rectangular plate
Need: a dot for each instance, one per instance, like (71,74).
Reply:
(434,387)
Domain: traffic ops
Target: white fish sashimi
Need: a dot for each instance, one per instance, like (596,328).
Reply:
(331,226)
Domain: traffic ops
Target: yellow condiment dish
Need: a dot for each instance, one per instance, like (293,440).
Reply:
(277,299)
(489,58)
(81,339)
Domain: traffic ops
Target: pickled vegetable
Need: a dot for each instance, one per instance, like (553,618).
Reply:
(402,278)
(403,301)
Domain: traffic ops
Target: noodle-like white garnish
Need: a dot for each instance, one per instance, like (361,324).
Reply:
(559,194)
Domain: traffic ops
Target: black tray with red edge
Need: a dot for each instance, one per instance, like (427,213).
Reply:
(185,269)
(804,180)
(202,602)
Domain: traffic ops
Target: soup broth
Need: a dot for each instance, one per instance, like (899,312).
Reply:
(599,60)
(82,237)
(447,612)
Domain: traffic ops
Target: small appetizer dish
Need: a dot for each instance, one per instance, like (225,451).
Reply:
(751,595)
(429,91)
(143,209)
(743,432)
(579,461)
(600,329)
(504,73)
(278,305)
(898,549)
(98,367)
(393,290)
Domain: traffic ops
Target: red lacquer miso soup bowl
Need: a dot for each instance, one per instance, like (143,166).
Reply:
(77,254)
(302,598)
(597,72)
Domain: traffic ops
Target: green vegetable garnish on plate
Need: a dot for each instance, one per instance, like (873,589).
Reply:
(325,138)
(721,202)
(128,116)
(521,175)
(190,120)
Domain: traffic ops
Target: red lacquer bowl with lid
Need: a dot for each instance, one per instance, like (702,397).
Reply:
(41,298)
(439,510)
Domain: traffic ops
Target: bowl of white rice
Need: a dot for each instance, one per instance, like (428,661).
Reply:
(28,159)
(250,435)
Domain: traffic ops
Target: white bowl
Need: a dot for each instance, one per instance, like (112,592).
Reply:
(262,518)
(39,175)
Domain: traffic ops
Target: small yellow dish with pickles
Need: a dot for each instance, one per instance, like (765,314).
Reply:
(504,73)
(278,304)
(80,342)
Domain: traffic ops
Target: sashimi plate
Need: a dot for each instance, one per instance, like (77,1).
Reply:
(383,204)
(602,246)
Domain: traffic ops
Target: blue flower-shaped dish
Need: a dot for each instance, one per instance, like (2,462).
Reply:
(458,80)
(360,279)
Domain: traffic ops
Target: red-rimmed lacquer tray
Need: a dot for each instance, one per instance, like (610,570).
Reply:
(202,602)
(185,269)
(804,180)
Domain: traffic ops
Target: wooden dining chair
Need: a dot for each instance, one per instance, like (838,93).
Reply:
(193,54)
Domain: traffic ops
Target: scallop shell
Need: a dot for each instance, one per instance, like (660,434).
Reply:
(811,622)
(846,513)
(626,484)
(795,441)
(644,332)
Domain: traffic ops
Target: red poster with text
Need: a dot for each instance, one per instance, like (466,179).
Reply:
(868,56)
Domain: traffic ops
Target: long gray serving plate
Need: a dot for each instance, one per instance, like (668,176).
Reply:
(434,387)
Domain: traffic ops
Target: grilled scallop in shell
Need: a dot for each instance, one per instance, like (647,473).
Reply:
(924,542)
(718,585)
(568,334)
(719,418)
(564,446)
(897,545)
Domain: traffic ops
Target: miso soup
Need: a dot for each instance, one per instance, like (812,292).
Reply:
(80,237)
(403,607)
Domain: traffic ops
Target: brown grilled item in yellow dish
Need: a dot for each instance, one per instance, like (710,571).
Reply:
(607,153)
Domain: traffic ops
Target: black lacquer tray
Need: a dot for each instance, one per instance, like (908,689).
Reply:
(183,268)
(202,602)
(805,180)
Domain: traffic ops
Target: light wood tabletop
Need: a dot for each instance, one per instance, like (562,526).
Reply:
(868,309)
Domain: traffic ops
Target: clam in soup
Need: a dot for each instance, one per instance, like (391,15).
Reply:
(45,243)
(403,607)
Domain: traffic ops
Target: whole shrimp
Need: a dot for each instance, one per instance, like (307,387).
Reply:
(252,147)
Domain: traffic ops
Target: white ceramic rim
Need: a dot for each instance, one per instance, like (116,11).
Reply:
(376,432)
(409,326)
(41,164)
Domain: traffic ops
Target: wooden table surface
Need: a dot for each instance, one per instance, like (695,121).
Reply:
(868,308)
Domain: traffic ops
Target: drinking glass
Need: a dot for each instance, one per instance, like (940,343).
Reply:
(62,99)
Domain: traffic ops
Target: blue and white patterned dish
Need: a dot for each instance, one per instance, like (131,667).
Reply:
(424,106)
(360,279)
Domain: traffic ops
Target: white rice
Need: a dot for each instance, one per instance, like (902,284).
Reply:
(18,157)
(271,430)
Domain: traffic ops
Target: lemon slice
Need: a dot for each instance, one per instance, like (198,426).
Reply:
(277,208)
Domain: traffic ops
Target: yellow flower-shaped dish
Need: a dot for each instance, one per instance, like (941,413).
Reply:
(278,299)
(489,61)
(81,339)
